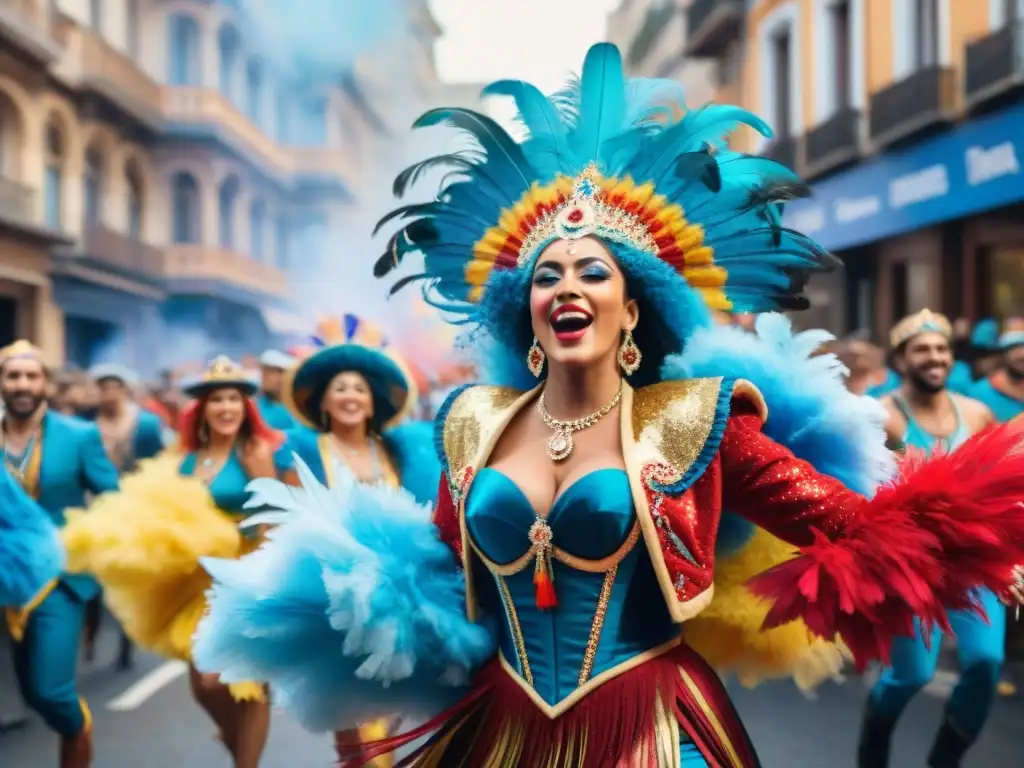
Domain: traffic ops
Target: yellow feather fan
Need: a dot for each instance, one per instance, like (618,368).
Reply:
(143,543)
(728,632)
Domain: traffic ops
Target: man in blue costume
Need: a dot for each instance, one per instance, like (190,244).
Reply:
(129,434)
(57,460)
(273,365)
(925,415)
(1003,390)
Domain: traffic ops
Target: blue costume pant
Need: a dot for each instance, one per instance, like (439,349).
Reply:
(979,646)
(46,658)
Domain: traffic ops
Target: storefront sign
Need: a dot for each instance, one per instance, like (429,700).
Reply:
(972,169)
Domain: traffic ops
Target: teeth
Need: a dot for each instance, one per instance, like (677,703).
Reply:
(573,316)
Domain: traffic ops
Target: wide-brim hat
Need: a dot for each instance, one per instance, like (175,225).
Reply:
(220,374)
(392,388)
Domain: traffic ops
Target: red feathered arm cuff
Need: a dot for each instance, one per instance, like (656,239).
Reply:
(866,568)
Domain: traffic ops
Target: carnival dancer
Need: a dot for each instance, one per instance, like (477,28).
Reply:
(351,400)
(586,512)
(1003,390)
(129,434)
(924,415)
(57,459)
(273,365)
(145,542)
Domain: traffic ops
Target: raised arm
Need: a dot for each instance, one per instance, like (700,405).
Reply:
(868,567)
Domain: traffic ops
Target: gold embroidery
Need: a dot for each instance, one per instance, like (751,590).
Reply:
(517,630)
(716,724)
(470,424)
(598,625)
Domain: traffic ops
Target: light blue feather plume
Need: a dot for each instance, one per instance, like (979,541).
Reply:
(352,608)
(31,554)
(411,447)
(810,410)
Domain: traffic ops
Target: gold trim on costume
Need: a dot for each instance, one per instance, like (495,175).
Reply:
(29,480)
(709,713)
(599,615)
(517,630)
(591,685)
(17,618)
(86,715)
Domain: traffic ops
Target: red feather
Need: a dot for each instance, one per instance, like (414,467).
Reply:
(948,525)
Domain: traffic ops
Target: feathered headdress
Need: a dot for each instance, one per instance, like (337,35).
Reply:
(612,158)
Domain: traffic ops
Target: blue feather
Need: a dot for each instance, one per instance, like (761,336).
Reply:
(351,610)
(31,554)
(411,447)
(549,141)
(602,101)
(810,410)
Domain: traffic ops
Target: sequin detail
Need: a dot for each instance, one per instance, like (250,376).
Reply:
(598,625)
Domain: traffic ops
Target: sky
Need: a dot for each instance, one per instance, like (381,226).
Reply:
(541,41)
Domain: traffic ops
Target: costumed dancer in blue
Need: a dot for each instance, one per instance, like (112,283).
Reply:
(1003,389)
(626,470)
(58,460)
(925,415)
(130,434)
(352,401)
(273,365)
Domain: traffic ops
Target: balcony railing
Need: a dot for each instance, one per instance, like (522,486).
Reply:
(123,254)
(712,25)
(917,103)
(116,77)
(785,150)
(994,65)
(26,24)
(199,264)
(17,203)
(833,143)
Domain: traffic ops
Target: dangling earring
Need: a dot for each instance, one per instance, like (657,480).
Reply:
(535,358)
(629,355)
(204,433)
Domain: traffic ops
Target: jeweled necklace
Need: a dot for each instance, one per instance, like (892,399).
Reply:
(560,445)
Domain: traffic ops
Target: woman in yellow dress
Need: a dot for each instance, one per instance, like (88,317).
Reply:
(144,542)
(353,400)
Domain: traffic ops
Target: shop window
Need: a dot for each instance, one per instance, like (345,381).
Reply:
(186,218)
(1006,282)
(900,291)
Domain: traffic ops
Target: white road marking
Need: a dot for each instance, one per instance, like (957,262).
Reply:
(146,687)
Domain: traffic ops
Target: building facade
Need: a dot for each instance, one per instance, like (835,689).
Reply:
(161,185)
(903,115)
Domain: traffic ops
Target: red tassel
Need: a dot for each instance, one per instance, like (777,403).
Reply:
(544,590)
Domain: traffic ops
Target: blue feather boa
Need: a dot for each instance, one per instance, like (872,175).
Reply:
(352,609)
(31,554)
(810,410)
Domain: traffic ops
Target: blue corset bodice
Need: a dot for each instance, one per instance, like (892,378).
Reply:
(593,531)
(228,487)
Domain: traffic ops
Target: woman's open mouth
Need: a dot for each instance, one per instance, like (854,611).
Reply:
(570,322)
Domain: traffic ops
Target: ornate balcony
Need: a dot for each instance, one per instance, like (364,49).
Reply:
(197,269)
(833,144)
(712,25)
(785,150)
(27,26)
(115,77)
(994,66)
(207,111)
(123,254)
(919,103)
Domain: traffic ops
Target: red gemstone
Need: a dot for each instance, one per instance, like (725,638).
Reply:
(575,216)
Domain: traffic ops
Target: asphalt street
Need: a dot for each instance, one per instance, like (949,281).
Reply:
(145,719)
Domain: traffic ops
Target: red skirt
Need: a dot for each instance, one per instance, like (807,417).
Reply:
(636,719)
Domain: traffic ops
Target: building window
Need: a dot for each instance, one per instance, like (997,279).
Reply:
(186,219)
(229,47)
(133,180)
(782,64)
(93,185)
(257,228)
(96,14)
(254,91)
(842,49)
(131,28)
(730,65)
(1011,12)
(925,31)
(184,50)
(313,123)
(227,206)
(54,176)
(281,239)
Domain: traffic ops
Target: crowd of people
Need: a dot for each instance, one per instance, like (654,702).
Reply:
(634,503)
